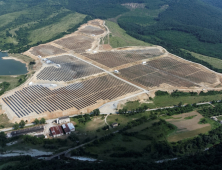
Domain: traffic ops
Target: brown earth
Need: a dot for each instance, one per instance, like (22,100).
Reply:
(187,124)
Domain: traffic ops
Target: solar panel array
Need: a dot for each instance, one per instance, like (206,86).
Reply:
(41,99)
(151,77)
(71,68)
(169,71)
(116,58)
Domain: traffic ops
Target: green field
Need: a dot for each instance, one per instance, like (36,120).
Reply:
(11,163)
(4,121)
(188,134)
(219,118)
(119,37)
(138,142)
(13,80)
(215,62)
(162,101)
(50,31)
(190,117)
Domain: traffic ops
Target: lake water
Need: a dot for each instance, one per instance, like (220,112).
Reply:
(11,67)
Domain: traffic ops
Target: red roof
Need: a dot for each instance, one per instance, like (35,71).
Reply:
(56,130)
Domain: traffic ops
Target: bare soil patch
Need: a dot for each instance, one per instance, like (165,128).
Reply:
(187,124)
(187,128)
(105,47)
(46,50)
(78,43)
(92,30)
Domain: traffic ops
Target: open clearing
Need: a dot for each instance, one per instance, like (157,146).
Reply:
(217,63)
(50,31)
(76,75)
(187,127)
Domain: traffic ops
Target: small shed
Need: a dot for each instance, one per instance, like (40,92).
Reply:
(144,63)
(66,129)
(71,126)
(116,71)
(62,120)
(114,125)
(48,61)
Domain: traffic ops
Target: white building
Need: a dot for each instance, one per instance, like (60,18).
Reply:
(62,120)
(48,61)
(116,71)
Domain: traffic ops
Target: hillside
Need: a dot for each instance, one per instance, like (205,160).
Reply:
(193,25)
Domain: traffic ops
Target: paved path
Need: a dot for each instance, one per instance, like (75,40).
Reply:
(105,119)
(8,129)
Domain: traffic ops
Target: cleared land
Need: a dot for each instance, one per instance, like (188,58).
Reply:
(187,127)
(119,57)
(78,43)
(46,50)
(89,30)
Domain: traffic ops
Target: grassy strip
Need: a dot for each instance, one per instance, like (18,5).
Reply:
(215,62)
(190,117)
(119,37)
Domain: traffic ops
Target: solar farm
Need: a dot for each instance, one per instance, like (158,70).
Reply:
(169,71)
(77,77)
(70,68)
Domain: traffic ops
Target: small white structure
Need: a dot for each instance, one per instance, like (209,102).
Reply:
(39,56)
(89,50)
(48,61)
(30,83)
(58,65)
(53,85)
(214,118)
(116,71)
(62,120)
(71,126)
(144,63)
(94,52)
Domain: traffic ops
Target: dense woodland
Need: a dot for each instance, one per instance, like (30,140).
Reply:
(210,159)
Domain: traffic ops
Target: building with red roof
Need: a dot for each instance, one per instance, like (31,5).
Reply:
(56,131)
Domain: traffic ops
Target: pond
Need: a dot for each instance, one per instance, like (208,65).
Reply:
(11,67)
